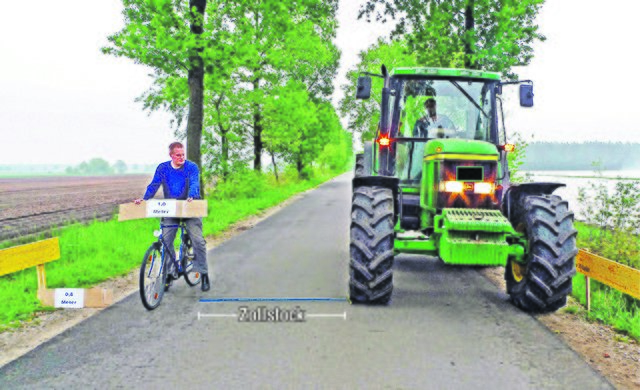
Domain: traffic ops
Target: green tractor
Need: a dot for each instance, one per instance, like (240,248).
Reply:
(437,183)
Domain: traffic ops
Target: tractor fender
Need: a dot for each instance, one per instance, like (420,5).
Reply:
(380,181)
(515,192)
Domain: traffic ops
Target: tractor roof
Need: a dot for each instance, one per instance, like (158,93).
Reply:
(445,72)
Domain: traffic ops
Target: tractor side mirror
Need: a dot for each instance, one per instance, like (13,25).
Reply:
(526,95)
(364,87)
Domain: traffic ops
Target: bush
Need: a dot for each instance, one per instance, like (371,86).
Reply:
(615,217)
(611,220)
(243,184)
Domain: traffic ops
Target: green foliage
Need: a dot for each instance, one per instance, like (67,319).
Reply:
(493,35)
(612,219)
(364,115)
(119,167)
(610,306)
(610,230)
(95,166)
(516,159)
(263,61)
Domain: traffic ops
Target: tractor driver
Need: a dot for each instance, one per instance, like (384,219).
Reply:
(432,121)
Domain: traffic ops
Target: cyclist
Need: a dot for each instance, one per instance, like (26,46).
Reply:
(180,179)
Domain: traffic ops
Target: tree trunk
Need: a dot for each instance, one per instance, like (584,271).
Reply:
(275,167)
(300,167)
(196,91)
(469,25)
(224,143)
(257,132)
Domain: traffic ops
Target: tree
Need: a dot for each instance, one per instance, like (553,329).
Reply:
(181,41)
(263,30)
(492,35)
(246,51)
(364,115)
(119,167)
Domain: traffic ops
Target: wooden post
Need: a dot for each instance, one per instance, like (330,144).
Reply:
(587,283)
(42,277)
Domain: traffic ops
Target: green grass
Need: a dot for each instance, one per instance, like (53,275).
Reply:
(609,305)
(90,254)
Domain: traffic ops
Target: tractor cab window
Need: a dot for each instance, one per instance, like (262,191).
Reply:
(430,109)
(445,109)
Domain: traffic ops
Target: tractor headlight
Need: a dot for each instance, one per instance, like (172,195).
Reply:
(451,186)
(483,188)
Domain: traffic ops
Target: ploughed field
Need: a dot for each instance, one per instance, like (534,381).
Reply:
(32,205)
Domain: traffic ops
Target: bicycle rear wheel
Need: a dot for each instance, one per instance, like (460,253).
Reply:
(152,277)
(188,254)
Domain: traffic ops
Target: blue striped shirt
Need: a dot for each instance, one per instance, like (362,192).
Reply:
(181,183)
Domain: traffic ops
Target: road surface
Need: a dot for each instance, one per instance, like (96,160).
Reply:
(447,327)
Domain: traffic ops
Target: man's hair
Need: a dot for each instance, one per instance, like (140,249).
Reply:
(175,145)
(429,101)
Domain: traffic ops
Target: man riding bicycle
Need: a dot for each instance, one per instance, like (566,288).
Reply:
(180,179)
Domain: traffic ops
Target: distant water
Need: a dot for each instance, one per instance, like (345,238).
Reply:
(576,179)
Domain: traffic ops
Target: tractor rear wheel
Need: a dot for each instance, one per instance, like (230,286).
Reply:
(544,281)
(359,168)
(371,247)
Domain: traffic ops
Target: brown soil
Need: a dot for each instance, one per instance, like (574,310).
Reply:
(33,205)
(599,345)
(17,342)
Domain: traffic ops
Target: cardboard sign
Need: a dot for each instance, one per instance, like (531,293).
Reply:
(161,208)
(91,297)
(69,298)
(158,208)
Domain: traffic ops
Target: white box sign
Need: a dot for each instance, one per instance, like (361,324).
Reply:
(161,208)
(69,298)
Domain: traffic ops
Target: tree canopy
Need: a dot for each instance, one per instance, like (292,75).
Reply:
(263,64)
(493,35)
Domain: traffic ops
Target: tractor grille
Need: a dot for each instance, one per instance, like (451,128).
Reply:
(466,199)
(490,221)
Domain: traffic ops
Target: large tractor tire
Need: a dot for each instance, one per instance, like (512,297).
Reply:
(359,168)
(543,283)
(371,248)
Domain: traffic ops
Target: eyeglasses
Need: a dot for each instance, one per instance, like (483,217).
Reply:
(178,155)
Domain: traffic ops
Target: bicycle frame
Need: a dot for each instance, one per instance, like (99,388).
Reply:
(165,248)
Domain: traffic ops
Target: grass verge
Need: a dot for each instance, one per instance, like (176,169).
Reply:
(609,305)
(90,254)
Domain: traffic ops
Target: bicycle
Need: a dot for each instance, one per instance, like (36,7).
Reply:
(154,278)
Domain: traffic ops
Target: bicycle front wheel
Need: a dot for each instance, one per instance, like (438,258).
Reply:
(152,277)
(188,255)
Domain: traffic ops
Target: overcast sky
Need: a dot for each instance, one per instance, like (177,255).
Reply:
(62,101)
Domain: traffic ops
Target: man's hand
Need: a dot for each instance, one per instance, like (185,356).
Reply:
(189,199)
(137,201)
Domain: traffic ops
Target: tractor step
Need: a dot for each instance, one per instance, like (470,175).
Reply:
(411,235)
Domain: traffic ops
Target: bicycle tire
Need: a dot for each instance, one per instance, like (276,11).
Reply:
(152,277)
(192,278)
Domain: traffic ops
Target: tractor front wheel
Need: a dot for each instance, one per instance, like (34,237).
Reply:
(371,247)
(542,283)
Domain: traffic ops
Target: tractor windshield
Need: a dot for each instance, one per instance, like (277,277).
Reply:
(429,109)
(445,109)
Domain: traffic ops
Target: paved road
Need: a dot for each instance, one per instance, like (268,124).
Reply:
(446,327)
